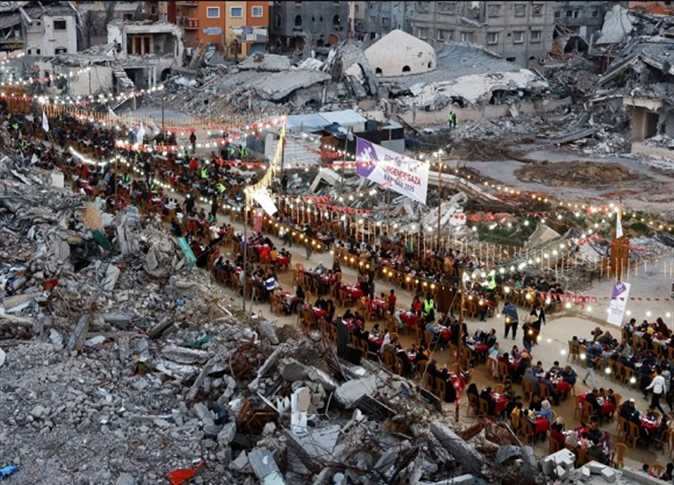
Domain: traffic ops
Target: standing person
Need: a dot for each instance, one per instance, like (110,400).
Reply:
(370,284)
(392,301)
(428,306)
(657,385)
(511,319)
(193,141)
(449,120)
(539,316)
(527,336)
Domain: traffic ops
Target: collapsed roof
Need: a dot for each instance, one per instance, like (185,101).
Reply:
(465,72)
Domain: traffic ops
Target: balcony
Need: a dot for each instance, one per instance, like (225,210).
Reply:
(188,23)
(192,3)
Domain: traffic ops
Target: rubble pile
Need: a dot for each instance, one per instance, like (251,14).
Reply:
(270,84)
(121,364)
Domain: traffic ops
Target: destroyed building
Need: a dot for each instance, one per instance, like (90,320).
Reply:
(519,31)
(369,21)
(38,29)
(296,26)
(577,23)
(95,15)
(147,51)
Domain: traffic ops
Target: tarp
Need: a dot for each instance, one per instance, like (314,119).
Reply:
(392,170)
(187,251)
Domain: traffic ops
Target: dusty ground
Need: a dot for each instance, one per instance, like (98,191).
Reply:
(577,174)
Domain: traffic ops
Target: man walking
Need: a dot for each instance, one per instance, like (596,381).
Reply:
(657,385)
(511,319)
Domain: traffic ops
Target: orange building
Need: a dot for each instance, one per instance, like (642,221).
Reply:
(235,28)
(653,8)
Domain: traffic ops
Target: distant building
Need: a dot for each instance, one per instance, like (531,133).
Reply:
(578,23)
(146,51)
(521,32)
(300,25)
(94,17)
(235,28)
(51,31)
(373,20)
(38,29)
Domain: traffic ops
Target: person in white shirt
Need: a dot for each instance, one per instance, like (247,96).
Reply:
(658,386)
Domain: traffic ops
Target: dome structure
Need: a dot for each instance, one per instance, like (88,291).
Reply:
(399,53)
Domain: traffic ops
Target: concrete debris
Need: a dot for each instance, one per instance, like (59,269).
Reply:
(265,62)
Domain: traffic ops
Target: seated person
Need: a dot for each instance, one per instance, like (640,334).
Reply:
(486,395)
(450,391)
(557,433)
(591,398)
(546,411)
(432,371)
(594,434)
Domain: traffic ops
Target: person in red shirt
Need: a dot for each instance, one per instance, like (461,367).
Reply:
(392,302)
(194,164)
(416,305)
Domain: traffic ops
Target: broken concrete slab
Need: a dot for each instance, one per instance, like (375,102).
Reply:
(79,332)
(262,61)
(264,466)
(300,400)
(291,370)
(184,355)
(226,435)
(469,457)
(348,393)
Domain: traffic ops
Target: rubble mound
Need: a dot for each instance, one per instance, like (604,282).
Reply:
(575,174)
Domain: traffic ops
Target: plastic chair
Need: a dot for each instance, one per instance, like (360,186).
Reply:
(619,455)
(632,435)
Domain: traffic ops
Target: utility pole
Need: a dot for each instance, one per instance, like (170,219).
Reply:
(245,248)
(459,345)
(440,192)
(163,102)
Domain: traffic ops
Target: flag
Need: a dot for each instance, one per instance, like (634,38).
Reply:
(45,122)
(618,226)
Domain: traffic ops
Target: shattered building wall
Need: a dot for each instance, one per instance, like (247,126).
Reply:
(580,20)
(296,25)
(94,16)
(372,20)
(519,31)
(52,32)
(148,51)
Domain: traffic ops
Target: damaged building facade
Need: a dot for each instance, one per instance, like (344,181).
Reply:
(37,29)
(369,21)
(296,25)
(521,32)
(146,51)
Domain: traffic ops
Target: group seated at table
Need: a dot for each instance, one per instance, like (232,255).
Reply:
(651,425)
(588,442)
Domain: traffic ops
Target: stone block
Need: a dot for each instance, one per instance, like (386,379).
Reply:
(609,474)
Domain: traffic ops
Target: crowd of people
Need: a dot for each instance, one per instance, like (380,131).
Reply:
(438,329)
